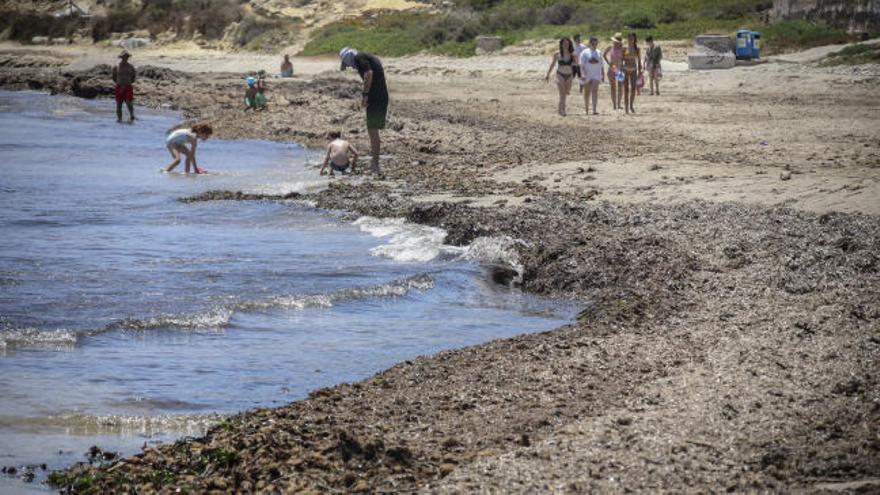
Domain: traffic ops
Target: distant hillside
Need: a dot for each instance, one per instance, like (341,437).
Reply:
(268,25)
(399,27)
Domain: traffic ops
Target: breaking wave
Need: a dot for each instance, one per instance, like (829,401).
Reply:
(413,242)
(215,318)
(116,424)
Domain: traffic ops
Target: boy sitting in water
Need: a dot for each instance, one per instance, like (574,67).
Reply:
(338,155)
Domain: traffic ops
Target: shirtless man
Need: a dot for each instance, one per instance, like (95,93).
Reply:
(124,76)
(287,67)
(338,155)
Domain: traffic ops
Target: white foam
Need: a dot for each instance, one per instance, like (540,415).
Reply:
(498,250)
(218,317)
(412,242)
(408,242)
(290,302)
(39,338)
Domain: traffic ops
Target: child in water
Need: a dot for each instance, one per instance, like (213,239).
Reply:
(340,154)
(176,143)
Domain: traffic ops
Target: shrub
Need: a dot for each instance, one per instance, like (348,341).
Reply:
(209,17)
(23,27)
(509,17)
(558,13)
(116,21)
(640,19)
(787,35)
(252,27)
(668,15)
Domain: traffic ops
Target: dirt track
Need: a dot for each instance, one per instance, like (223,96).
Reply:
(727,237)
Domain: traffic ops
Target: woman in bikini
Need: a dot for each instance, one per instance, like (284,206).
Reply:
(613,56)
(564,62)
(632,67)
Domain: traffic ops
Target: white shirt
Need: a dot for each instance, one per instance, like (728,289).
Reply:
(591,71)
(578,48)
(180,137)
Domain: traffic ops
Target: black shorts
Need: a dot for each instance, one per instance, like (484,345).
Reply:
(376,113)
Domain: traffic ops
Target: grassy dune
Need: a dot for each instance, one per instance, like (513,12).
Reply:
(453,32)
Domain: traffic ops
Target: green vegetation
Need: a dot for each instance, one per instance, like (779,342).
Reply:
(390,35)
(854,55)
(453,32)
(789,35)
(23,27)
(211,19)
(221,458)
(68,483)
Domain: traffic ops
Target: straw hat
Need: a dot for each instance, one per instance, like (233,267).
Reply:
(124,54)
(617,38)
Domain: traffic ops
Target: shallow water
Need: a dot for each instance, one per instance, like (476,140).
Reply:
(127,316)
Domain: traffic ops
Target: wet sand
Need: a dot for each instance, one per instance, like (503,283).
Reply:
(724,243)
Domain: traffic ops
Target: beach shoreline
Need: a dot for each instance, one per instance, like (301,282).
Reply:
(727,240)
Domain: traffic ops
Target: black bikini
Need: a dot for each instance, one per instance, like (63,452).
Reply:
(559,63)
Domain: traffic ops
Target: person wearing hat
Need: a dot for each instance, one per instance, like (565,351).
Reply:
(124,76)
(613,56)
(254,98)
(374,96)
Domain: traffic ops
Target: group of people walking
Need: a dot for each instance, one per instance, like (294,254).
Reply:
(626,70)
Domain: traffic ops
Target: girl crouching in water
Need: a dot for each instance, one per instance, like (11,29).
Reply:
(564,62)
(176,143)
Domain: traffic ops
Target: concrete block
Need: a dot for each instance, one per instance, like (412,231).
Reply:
(714,42)
(704,59)
(131,43)
(488,44)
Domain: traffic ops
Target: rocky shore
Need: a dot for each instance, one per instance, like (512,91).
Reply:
(723,345)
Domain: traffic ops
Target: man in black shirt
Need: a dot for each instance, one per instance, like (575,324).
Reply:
(374,95)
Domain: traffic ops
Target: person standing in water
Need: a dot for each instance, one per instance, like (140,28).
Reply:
(374,97)
(613,56)
(592,74)
(124,75)
(176,143)
(564,63)
(340,155)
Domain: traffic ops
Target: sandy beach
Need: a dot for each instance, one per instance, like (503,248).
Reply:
(723,242)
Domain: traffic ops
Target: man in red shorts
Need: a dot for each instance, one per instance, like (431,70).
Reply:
(124,76)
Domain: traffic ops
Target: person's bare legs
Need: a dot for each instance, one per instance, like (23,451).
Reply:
(118,111)
(175,154)
(632,87)
(374,150)
(626,92)
(130,105)
(566,86)
(586,91)
(560,86)
(613,83)
(656,80)
(594,93)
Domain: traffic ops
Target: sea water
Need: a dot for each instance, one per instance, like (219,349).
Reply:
(129,317)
